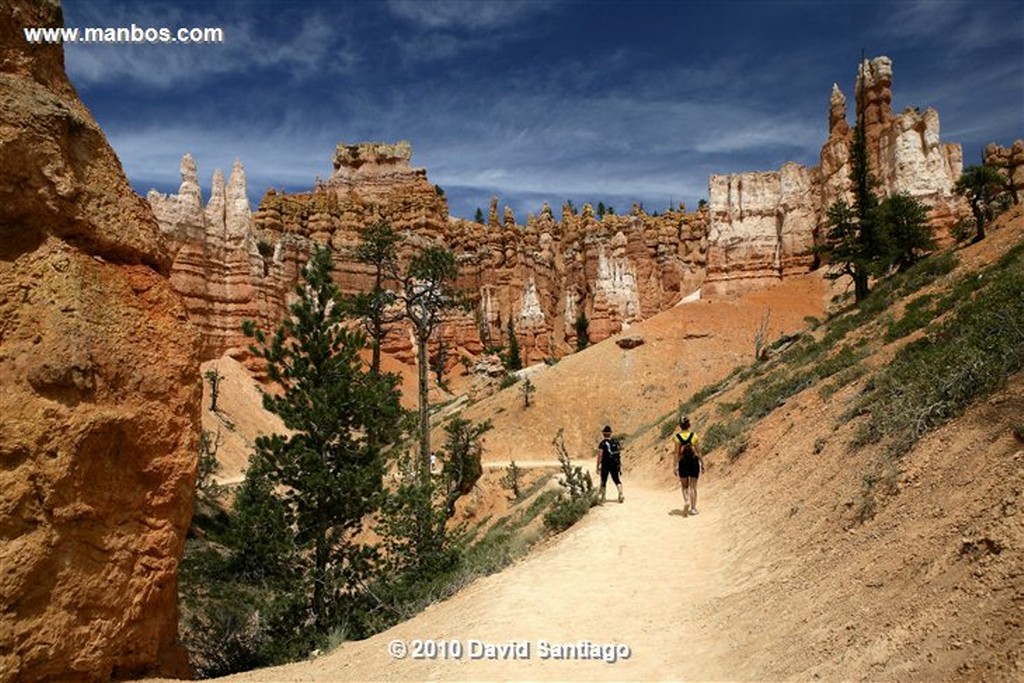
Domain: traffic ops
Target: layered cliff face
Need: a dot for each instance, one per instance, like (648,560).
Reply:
(764,225)
(217,266)
(100,396)
(542,274)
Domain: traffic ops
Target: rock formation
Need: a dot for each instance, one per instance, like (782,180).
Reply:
(764,225)
(543,274)
(222,272)
(99,412)
(1010,161)
(615,270)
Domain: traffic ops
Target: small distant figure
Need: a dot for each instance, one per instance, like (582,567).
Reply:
(609,462)
(689,464)
(433,462)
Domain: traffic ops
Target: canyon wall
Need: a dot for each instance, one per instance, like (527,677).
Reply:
(764,225)
(99,407)
(615,270)
(542,273)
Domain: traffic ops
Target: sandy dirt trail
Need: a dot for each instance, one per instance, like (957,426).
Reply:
(637,574)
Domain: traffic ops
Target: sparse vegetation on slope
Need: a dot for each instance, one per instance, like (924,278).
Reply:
(973,341)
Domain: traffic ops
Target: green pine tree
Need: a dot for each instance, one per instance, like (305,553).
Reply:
(980,185)
(429,293)
(905,222)
(582,331)
(325,473)
(515,360)
(378,248)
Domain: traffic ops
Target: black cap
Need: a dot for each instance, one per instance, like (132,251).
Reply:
(606,429)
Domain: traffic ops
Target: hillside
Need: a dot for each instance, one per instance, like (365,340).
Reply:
(811,558)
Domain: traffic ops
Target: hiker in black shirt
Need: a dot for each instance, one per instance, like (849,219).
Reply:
(609,461)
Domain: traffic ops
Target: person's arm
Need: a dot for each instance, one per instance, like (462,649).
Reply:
(679,453)
(600,452)
(700,454)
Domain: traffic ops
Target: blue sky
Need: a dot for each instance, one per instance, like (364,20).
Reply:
(534,100)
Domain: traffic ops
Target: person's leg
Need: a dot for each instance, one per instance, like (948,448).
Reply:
(618,484)
(604,482)
(693,495)
(684,486)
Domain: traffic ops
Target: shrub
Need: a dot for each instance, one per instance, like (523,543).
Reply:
(511,480)
(719,433)
(569,509)
(970,355)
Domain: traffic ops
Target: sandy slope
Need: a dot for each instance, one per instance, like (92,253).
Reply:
(637,575)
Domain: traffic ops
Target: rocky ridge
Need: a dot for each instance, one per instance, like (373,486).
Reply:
(615,269)
(99,407)
(1010,161)
(764,225)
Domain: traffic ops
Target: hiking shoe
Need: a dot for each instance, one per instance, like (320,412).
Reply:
(693,511)
(622,498)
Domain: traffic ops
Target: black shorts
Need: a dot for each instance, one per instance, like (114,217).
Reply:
(613,471)
(689,467)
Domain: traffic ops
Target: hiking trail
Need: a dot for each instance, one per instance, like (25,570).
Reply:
(636,574)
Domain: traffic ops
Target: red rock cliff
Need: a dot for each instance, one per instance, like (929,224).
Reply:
(616,270)
(99,390)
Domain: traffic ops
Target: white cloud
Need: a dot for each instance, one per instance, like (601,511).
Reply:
(450,15)
(315,45)
(963,27)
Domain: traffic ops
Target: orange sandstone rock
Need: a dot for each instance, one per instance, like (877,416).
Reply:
(99,391)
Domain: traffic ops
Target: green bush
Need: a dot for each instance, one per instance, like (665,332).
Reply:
(969,356)
(918,314)
(578,497)
(719,433)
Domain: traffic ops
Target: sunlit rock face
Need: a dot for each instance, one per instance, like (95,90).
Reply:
(230,265)
(99,390)
(764,226)
(217,265)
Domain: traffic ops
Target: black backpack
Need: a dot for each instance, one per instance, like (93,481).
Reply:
(614,453)
(688,452)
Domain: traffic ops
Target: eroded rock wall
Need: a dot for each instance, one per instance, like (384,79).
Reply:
(217,265)
(99,401)
(765,225)
(541,274)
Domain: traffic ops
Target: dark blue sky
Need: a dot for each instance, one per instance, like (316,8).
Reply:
(534,100)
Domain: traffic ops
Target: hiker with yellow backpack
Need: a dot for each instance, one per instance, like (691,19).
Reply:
(689,464)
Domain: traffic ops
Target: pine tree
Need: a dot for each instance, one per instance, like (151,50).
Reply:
(326,473)
(378,248)
(582,331)
(428,294)
(980,185)
(515,360)
(856,243)
(905,222)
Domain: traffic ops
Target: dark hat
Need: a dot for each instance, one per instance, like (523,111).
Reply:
(684,422)
(606,429)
